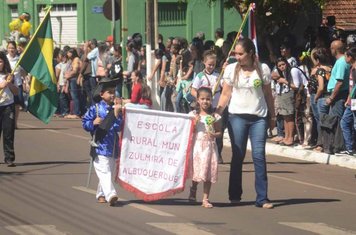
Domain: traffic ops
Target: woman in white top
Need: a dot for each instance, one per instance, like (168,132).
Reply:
(13,58)
(247,91)
(8,89)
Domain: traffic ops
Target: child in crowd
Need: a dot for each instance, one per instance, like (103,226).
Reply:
(141,94)
(205,151)
(182,87)
(208,77)
(102,116)
(62,84)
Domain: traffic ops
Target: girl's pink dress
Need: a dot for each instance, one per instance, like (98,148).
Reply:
(205,154)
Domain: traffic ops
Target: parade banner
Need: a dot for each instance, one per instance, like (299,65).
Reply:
(156,148)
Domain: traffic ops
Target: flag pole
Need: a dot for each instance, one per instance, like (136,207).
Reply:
(244,20)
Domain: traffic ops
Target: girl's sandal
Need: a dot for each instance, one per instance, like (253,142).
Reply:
(192,194)
(206,204)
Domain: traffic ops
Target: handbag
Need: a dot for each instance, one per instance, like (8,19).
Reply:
(300,97)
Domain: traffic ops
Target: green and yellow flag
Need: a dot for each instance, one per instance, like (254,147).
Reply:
(37,59)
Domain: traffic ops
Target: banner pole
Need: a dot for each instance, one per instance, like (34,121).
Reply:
(89,171)
(244,20)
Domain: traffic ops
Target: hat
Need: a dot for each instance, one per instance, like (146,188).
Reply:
(105,82)
(110,38)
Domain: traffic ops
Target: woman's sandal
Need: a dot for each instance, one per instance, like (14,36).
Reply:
(267,205)
(206,204)
(192,194)
(318,149)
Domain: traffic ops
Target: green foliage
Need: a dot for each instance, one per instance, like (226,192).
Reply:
(281,11)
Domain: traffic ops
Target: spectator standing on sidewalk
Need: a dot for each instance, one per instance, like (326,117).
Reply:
(348,121)
(285,98)
(338,84)
(247,92)
(337,92)
(92,52)
(286,52)
(321,74)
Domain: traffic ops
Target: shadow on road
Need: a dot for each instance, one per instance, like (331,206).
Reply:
(277,203)
(40,129)
(51,162)
(296,201)
(47,164)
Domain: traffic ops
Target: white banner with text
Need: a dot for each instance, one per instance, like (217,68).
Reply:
(155,150)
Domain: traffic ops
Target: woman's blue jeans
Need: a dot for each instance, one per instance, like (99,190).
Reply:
(347,124)
(244,126)
(75,95)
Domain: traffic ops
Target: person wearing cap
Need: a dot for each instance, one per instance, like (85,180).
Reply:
(106,118)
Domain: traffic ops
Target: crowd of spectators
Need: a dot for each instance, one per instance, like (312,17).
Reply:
(313,88)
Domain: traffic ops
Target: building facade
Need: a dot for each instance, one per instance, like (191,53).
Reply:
(74,21)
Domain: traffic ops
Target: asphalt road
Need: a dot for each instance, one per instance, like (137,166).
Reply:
(46,194)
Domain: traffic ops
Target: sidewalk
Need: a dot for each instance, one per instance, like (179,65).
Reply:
(303,154)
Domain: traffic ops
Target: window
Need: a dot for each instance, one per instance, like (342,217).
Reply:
(172,14)
(61,7)
(14,11)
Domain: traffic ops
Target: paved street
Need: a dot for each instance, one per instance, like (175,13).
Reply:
(46,194)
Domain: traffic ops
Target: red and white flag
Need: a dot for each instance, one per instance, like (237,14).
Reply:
(249,29)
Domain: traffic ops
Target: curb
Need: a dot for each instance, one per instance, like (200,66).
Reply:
(303,154)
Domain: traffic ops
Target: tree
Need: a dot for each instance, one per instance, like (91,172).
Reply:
(271,15)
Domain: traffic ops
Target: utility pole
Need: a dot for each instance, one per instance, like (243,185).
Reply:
(150,43)
(124,32)
(156,23)
(113,6)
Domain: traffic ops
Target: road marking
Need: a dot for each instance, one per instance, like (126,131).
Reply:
(313,185)
(134,205)
(59,132)
(304,183)
(274,176)
(35,229)
(180,228)
(319,228)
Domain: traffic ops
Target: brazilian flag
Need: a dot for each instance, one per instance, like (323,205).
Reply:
(37,59)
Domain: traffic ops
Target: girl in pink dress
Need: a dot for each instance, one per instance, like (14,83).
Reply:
(205,152)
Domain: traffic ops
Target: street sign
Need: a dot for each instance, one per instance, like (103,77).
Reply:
(107,8)
(97,9)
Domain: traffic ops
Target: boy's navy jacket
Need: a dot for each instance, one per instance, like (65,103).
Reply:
(106,145)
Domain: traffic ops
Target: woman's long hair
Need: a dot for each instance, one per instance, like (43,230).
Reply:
(248,46)
(7,67)
(284,74)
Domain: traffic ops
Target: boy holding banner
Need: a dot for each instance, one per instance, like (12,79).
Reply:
(103,121)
